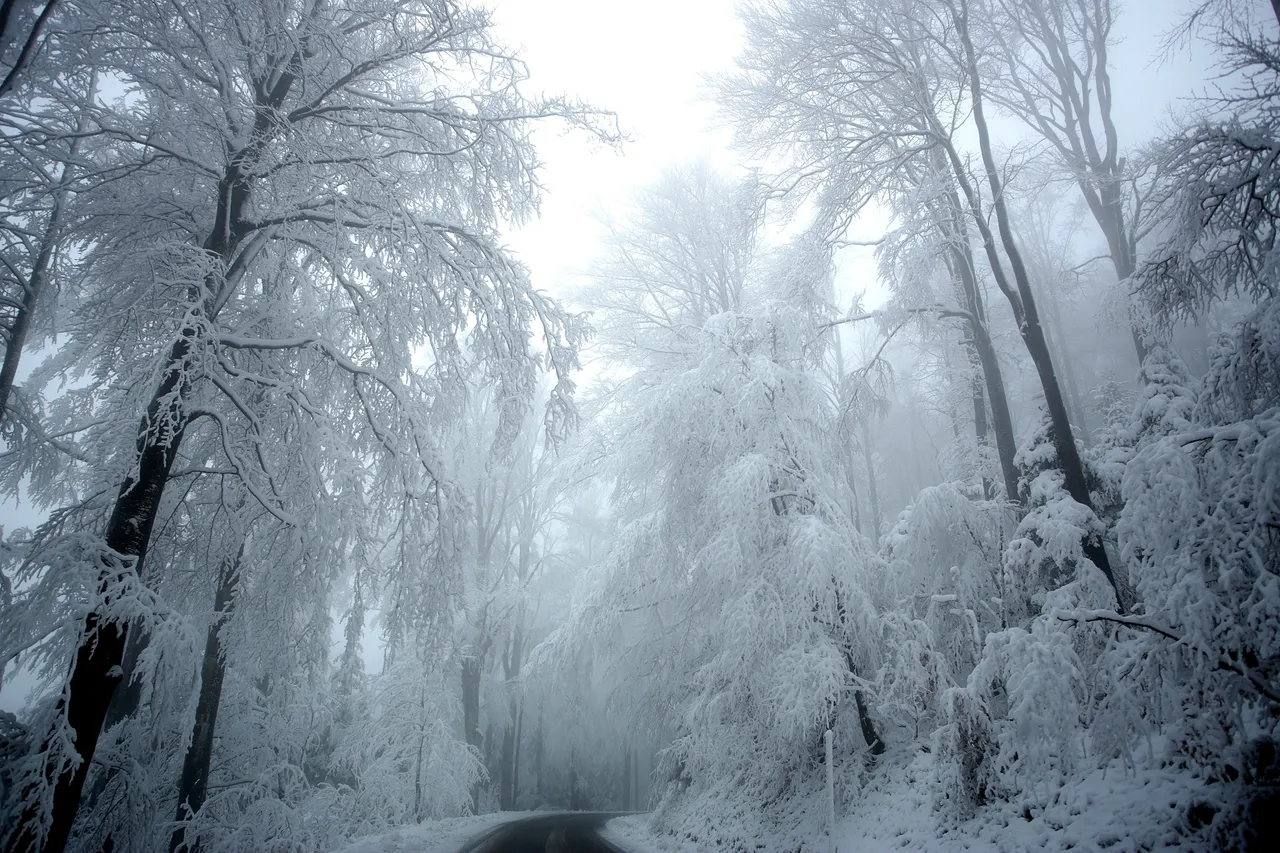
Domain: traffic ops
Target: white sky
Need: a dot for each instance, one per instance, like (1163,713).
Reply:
(645,61)
(641,60)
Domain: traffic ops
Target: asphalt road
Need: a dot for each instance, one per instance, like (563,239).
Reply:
(560,832)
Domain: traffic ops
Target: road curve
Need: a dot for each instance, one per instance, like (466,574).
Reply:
(558,832)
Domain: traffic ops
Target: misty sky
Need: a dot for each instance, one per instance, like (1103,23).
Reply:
(646,62)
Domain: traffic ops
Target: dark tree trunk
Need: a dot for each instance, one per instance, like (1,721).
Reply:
(193,785)
(17,339)
(25,310)
(507,766)
(97,671)
(507,770)
(626,779)
(1024,307)
(1107,207)
(635,780)
(959,259)
(472,670)
(1058,343)
(515,762)
(1000,416)
(538,749)
(869,733)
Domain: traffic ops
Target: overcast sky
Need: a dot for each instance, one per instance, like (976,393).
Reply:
(645,61)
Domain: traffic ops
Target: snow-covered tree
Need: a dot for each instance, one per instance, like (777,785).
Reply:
(305,212)
(859,95)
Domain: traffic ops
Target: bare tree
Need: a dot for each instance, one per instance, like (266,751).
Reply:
(1057,80)
(1216,191)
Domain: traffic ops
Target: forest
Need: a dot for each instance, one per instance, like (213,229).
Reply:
(907,478)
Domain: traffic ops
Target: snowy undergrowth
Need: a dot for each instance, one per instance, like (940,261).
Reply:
(1145,807)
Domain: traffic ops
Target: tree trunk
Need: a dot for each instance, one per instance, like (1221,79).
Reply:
(506,765)
(626,778)
(17,339)
(868,727)
(537,762)
(31,290)
(472,670)
(417,761)
(511,667)
(1057,342)
(635,781)
(960,263)
(97,670)
(515,763)
(872,492)
(193,785)
(1002,420)
(1024,308)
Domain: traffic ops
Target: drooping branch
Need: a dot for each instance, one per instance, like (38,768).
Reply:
(1220,661)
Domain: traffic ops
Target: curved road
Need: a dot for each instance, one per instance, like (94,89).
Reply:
(560,832)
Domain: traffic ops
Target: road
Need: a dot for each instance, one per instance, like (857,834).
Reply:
(560,832)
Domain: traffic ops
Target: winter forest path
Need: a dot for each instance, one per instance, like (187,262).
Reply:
(561,832)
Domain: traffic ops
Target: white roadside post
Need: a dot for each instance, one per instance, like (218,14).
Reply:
(831,795)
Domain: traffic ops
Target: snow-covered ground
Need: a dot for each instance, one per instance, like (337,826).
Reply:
(1114,809)
(437,836)
(1117,809)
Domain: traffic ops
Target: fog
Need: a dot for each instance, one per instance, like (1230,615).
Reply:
(784,425)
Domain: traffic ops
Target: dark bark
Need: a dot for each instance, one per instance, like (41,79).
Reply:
(97,672)
(98,669)
(538,752)
(948,215)
(626,779)
(1098,169)
(869,733)
(1002,420)
(1024,306)
(506,797)
(17,339)
(32,288)
(1057,344)
(507,769)
(193,784)
(515,762)
(472,669)
(29,44)
(960,261)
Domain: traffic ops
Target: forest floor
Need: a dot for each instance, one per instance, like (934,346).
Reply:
(1140,807)
(1119,809)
